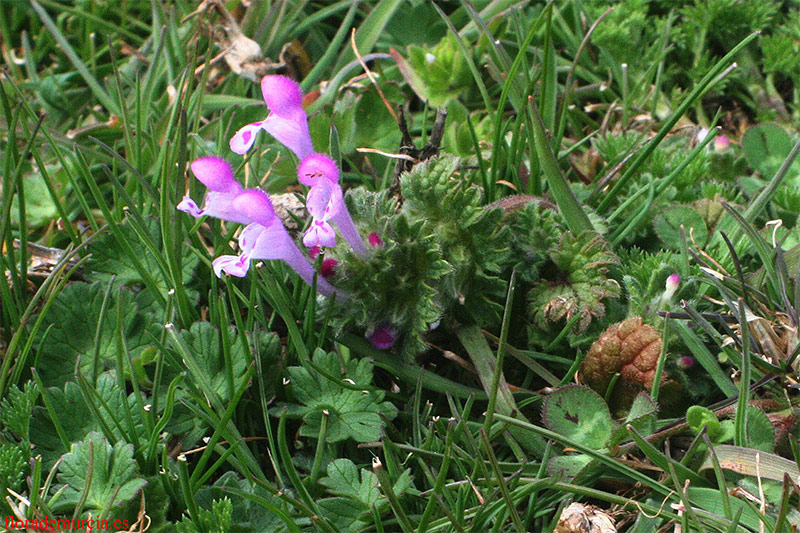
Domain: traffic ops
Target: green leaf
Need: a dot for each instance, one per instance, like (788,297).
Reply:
(40,209)
(765,147)
(568,466)
(642,416)
(218,519)
(343,480)
(579,414)
(643,407)
(108,472)
(110,259)
(70,329)
(205,344)
(710,501)
(346,514)
(248,515)
(751,462)
(356,494)
(699,417)
(581,285)
(668,226)
(353,413)
(437,74)
(16,410)
(76,418)
(760,431)
(474,242)
(13,461)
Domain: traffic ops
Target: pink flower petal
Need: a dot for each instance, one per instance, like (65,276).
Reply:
(243,139)
(324,201)
(248,237)
(282,94)
(291,131)
(220,205)
(274,242)
(215,173)
(255,205)
(235,265)
(320,234)
(317,166)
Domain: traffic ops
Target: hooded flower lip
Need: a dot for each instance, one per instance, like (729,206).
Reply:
(287,120)
(282,95)
(317,166)
(256,205)
(216,174)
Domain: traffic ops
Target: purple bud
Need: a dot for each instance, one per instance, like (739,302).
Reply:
(374,240)
(383,337)
(673,280)
(328,268)
(686,362)
(721,143)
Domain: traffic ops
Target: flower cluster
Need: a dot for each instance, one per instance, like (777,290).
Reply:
(265,237)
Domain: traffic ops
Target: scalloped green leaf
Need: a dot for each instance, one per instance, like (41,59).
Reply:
(108,472)
(352,413)
(580,414)
(70,327)
(668,226)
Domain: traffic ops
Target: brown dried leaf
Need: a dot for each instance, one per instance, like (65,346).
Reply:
(582,518)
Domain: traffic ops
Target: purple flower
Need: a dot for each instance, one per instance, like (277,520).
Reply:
(287,120)
(217,175)
(325,202)
(265,237)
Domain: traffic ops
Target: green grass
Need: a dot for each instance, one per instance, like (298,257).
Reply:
(582,162)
